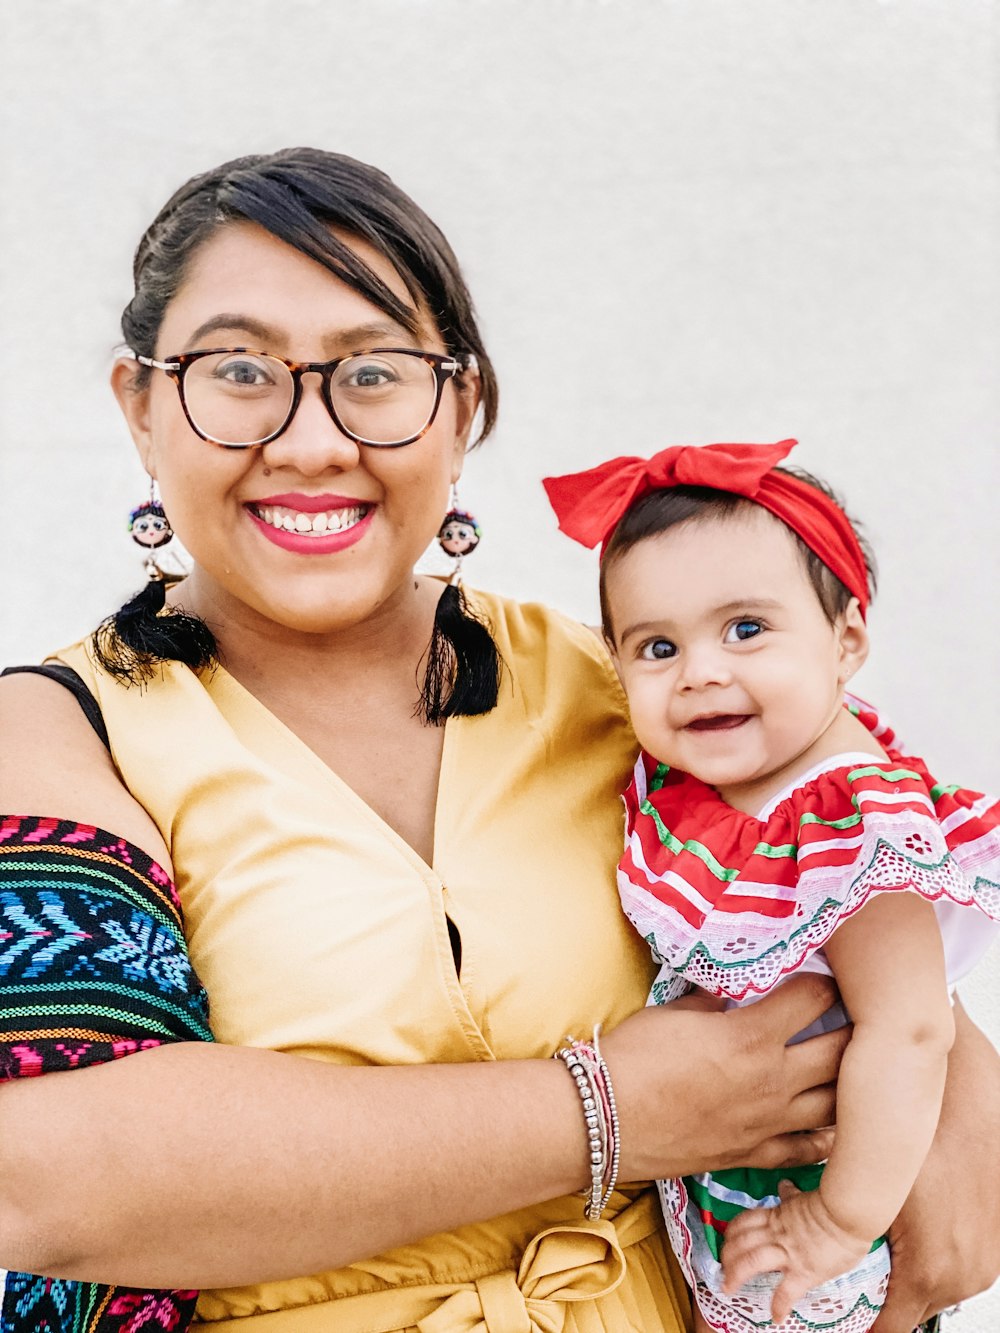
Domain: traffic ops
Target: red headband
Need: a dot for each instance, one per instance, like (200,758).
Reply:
(589,505)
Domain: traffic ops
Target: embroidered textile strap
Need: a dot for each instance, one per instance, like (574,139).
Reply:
(93,967)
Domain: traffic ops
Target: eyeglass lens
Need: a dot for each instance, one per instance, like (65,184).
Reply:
(242,398)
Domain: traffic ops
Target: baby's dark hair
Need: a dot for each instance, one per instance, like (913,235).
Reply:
(661,510)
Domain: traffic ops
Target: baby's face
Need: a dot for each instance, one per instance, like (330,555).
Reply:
(733,672)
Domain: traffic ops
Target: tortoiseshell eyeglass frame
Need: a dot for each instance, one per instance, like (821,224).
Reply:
(444,368)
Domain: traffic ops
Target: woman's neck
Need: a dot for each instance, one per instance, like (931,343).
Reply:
(274,660)
(350,695)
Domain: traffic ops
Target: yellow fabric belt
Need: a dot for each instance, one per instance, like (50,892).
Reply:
(560,1265)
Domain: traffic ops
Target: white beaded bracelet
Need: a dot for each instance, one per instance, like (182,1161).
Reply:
(592,1077)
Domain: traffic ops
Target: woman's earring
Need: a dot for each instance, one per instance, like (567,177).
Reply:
(459,533)
(462,672)
(150,528)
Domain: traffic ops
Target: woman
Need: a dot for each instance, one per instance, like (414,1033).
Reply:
(413,906)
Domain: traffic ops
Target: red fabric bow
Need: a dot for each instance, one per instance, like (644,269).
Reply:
(589,505)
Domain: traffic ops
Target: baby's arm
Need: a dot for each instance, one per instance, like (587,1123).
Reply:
(889,964)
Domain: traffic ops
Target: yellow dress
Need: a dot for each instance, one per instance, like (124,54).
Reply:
(317,930)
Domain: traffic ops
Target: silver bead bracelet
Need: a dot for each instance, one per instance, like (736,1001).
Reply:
(592,1077)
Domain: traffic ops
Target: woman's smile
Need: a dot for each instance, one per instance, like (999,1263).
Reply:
(312,524)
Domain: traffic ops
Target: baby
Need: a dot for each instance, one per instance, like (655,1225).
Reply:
(774,825)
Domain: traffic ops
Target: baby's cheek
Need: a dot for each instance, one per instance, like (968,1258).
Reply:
(648,710)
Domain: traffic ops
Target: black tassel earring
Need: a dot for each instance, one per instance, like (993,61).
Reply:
(462,676)
(129,644)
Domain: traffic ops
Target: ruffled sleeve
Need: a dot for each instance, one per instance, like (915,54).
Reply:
(732,904)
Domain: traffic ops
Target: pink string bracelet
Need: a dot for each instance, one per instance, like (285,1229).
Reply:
(592,1077)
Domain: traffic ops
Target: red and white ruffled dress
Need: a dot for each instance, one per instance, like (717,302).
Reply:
(734,904)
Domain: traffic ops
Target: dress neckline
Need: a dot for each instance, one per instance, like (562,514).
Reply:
(828,765)
(332,778)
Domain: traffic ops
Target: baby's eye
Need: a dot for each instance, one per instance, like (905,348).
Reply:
(740,630)
(657,650)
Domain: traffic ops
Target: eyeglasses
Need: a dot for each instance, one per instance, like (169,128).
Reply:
(238,398)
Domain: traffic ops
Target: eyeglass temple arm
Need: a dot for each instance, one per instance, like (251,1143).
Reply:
(148,360)
(467,361)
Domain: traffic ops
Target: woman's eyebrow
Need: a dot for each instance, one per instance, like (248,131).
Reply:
(354,339)
(242,323)
(364,336)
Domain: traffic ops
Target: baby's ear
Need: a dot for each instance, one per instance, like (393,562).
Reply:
(853,640)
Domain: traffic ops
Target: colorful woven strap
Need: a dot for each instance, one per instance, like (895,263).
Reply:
(93,967)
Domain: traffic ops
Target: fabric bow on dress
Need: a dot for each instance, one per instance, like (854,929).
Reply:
(561,1265)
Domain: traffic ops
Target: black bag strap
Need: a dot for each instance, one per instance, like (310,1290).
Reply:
(71,681)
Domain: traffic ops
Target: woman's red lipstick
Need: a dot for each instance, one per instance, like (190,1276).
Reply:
(311,542)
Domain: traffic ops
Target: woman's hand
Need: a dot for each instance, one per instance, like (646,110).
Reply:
(946,1241)
(699,1089)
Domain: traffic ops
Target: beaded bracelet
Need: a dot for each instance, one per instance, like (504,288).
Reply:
(592,1077)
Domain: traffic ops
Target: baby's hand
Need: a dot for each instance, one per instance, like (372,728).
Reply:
(800,1239)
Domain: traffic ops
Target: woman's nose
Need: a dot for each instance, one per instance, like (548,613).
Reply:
(312,443)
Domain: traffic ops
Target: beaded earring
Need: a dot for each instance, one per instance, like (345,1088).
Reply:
(150,528)
(462,673)
(459,533)
(134,642)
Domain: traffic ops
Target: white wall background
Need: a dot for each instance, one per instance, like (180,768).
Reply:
(683,220)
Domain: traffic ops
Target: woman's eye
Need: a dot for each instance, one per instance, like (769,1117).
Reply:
(657,650)
(250,373)
(742,630)
(371,375)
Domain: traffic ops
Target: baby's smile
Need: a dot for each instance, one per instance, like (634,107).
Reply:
(718,722)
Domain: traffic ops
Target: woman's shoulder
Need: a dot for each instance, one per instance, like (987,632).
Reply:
(558,678)
(543,647)
(56,763)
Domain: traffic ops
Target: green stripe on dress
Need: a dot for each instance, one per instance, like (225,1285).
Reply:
(890,774)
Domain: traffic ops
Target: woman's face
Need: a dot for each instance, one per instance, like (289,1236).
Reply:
(248,517)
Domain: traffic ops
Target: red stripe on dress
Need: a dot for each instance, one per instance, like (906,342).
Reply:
(662,892)
(775,908)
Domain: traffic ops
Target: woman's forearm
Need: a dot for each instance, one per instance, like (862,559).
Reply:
(202,1166)
(946,1241)
(208,1165)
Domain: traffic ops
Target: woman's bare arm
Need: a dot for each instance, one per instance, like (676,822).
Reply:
(52,763)
(946,1242)
(211,1165)
(207,1165)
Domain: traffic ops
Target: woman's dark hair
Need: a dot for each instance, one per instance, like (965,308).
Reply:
(661,510)
(302,196)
